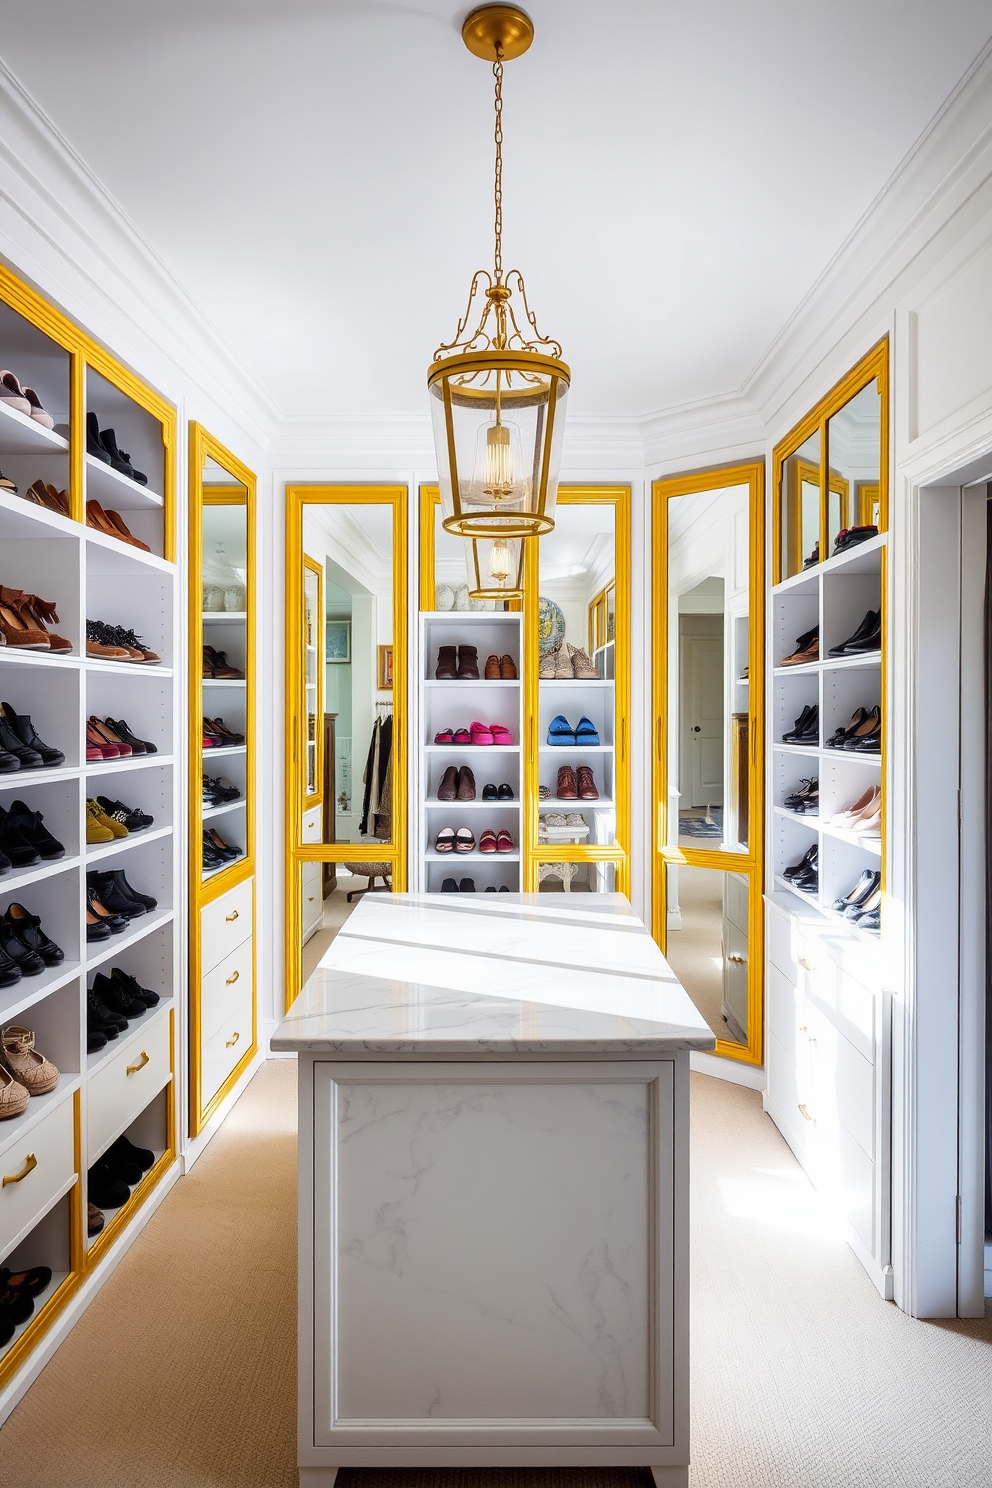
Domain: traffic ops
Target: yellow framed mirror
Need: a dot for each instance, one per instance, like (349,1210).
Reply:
(708,787)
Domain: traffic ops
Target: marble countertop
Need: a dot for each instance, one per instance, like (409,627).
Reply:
(423,976)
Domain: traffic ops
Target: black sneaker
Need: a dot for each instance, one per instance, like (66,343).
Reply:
(99,1016)
(128,816)
(142,1157)
(138,746)
(29,932)
(32,826)
(131,987)
(22,726)
(116,998)
(104,1190)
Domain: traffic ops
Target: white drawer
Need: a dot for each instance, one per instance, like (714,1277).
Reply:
(786,1008)
(312,828)
(123,1086)
(780,930)
(846,1003)
(784,1096)
(223,1051)
(224,924)
(45,1156)
(843,1081)
(224,989)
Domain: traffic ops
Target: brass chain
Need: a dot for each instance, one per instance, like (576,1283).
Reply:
(498,192)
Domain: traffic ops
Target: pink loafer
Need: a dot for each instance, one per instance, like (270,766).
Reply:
(500,735)
(481,734)
(443,736)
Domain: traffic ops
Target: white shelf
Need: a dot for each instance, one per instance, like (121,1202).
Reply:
(867,844)
(225,752)
(564,749)
(223,617)
(472,857)
(17,878)
(19,780)
(469,682)
(860,559)
(476,748)
(573,803)
(100,951)
(224,682)
(128,762)
(210,812)
(870,659)
(20,655)
(573,682)
(117,491)
(30,990)
(97,852)
(22,435)
(813,751)
(118,668)
(209,873)
(122,556)
(432,803)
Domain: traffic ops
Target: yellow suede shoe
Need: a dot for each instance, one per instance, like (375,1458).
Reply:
(96,831)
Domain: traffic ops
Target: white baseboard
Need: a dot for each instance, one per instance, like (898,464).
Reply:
(732,1070)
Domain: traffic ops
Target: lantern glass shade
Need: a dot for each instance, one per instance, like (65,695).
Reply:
(498,420)
(495,567)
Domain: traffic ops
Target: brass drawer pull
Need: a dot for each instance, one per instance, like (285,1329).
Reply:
(229,981)
(133,1069)
(232,1041)
(737,960)
(231,917)
(806,966)
(804,1113)
(30,1163)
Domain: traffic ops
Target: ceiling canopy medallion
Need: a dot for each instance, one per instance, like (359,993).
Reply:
(498,392)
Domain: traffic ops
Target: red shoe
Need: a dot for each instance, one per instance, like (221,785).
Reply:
(488,842)
(504,842)
(500,734)
(481,734)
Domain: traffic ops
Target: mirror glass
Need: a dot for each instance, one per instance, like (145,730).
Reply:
(347,672)
(225,632)
(708,944)
(854,448)
(708,670)
(577,726)
(452,559)
(577,878)
(800,508)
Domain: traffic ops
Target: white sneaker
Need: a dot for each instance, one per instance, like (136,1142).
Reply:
(444,597)
(461,597)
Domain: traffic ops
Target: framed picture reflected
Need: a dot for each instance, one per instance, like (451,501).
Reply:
(337,641)
(384,680)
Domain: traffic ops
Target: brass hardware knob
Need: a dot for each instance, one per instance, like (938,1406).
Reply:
(30,1163)
(231,917)
(229,981)
(737,960)
(805,965)
(804,1113)
(310,898)
(133,1069)
(232,1041)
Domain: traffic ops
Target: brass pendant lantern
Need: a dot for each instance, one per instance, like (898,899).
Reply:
(495,567)
(498,398)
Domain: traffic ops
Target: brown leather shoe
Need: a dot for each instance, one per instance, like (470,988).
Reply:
(466,784)
(587,785)
(492,669)
(117,523)
(567,789)
(19,629)
(44,613)
(448,788)
(508,669)
(218,666)
(798,658)
(57,500)
(468,663)
(447,664)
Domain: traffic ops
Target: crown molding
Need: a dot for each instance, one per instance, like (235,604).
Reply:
(64,231)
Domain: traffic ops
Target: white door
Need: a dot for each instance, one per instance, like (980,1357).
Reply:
(702,669)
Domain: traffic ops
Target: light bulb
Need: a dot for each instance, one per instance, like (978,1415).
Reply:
(499,462)
(499,561)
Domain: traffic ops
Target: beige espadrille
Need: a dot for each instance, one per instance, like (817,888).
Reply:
(29,1068)
(547,668)
(563,664)
(582,667)
(13,1096)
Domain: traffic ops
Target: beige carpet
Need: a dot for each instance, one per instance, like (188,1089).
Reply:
(181,1374)
(695,953)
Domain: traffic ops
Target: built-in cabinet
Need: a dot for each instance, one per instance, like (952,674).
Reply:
(828,1055)
(222,1006)
(83,541)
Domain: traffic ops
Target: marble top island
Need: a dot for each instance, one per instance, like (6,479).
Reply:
(426,976)
(493,1198)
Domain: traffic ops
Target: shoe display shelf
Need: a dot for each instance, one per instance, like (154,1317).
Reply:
(835,596)
(574,699)
(456,704)
(45,1152)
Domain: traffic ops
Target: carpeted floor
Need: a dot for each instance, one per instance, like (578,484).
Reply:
(182,1373)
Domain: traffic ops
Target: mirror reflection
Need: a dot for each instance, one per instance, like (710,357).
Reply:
(577,878)
(801,508)
(854,452)
(346,710)
(224,685)
(577,725)
(708,944)
(708,669)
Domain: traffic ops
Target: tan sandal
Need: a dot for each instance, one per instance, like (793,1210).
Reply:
(13,1096)
(37,1074)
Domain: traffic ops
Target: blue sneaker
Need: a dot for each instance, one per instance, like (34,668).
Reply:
(586,732)
(560,731)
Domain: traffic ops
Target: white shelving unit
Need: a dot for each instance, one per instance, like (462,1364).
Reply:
(575,699)
(456,704)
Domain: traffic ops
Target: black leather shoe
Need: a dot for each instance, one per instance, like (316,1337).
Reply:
(103,1189)
(12,742)
(505,792)
(867,637)
(5,863)
(31,825)
(132,988)
(119,459)
(865,885)
(142,1157)
(850,537)
(116,998)
(846,731)
(25,731)
(806,864)
(870,921)
(809,881)
(94,444)
(95,1040)
(449,886)
(120,1167)
(138,746)
(10,972)
(467,886)
(28,961)
(8,762)
(113,882)
(18,848)
(112,922)
(489,793)
(99,1016)
(806,728)
(30,933)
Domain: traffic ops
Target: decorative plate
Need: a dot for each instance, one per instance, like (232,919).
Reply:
(550,626)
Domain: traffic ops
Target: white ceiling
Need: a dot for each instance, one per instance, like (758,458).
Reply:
(316,173)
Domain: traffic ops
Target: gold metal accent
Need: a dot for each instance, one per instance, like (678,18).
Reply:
(751,863)
(805,964)
(804,1113)
(737,960)
(230,981)
(230,1043)
(133,1069)
(231,917)
(497,31)
(315,797)
(30,1163)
